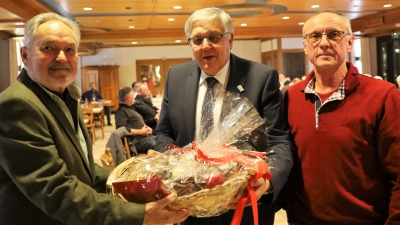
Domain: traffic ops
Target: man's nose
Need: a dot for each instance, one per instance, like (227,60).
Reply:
(324,40)
(206,43)
(61,56)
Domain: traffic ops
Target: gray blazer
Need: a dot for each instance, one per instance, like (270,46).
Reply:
(44,176)
(261,87)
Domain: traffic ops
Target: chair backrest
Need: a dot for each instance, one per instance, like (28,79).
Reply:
(88,115)
(126,148)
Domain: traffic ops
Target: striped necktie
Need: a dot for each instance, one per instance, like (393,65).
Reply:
(207,115)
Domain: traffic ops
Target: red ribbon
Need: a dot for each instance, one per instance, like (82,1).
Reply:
(262,170)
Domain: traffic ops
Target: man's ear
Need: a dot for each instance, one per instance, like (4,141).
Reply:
(24,54)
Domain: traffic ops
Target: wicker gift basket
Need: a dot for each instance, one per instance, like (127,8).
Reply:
(206,175)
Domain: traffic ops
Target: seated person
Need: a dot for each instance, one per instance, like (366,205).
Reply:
(143,105)
(127,116)
(135,87)
(94,95)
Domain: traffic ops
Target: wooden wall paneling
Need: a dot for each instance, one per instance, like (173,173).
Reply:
(109,83)
(89,75)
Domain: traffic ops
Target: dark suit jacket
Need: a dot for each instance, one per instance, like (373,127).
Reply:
(261,87)
(44,176)
(147,110)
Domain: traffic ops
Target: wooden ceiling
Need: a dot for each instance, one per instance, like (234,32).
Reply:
(116,23)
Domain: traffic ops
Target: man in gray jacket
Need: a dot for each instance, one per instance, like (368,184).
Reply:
(47,173)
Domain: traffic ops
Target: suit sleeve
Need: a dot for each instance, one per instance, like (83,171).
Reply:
(165,132)
(280,143)
(31,169)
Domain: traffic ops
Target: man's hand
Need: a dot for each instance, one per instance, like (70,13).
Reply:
(157,213)
(153,153)
(146,130)
(260,186)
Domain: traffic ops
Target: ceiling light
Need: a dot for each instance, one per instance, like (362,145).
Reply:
(97,21)
(387,5)
(301,23)
(171,19)
(315,6)
(285,17)
(243,24)
(134,42)
(131,27)
(19,23)
(87,8)
(178,41)
(177,7)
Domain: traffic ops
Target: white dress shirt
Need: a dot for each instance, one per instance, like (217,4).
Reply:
(219,88)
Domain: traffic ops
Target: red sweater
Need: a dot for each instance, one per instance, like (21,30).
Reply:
(347,165)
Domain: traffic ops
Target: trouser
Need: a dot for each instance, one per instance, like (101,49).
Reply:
(144,144)
(107,111)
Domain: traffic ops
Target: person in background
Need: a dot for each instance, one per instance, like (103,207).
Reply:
(210,35)
(346,129)
(47,172)
(294,81)
(94,95)
(283,80)
(145,107)
(135,86)
(127,116)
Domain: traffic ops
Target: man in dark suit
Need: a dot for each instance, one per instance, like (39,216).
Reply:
(210,34)
(145,107)
(47,173)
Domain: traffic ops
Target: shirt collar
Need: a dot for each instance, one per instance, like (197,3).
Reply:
(339,94)
(221,76)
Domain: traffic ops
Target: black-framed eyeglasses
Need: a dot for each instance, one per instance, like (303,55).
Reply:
(333,37)
(213,39)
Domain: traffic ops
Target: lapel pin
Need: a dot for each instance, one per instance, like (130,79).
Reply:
(240,88)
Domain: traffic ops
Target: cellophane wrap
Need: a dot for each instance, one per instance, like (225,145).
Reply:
(206,174)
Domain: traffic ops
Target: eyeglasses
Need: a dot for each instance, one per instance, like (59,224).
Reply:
(333,37)
(213,39)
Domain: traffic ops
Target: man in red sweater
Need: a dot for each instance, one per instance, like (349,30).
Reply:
(347,132)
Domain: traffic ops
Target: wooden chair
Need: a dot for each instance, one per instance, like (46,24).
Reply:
(99,119)
(106,158)
(126,147)
(89,117)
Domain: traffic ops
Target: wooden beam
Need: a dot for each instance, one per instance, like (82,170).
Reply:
(19,8)
(4,35)
(377,23)
(157,35)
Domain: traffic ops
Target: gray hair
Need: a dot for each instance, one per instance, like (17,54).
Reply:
(123,92)
(33,24)
(209,14)
(348,23)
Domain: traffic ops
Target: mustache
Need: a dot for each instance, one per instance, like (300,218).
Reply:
(60,66)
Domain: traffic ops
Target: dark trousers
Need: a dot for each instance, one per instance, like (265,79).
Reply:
(266,216)
(107,111)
